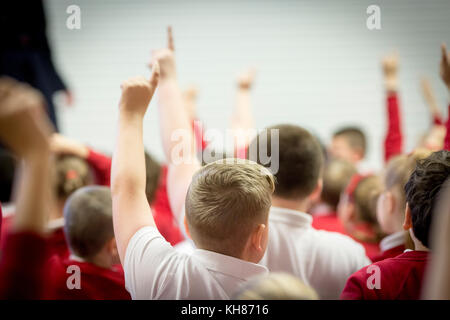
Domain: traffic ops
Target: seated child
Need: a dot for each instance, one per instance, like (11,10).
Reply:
(357,212)
(391,203)
(336,176)
(322,260)
(401,277)
(227,203)
(91,271)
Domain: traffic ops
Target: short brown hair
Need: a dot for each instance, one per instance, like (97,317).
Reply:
(355,138)
(88,220)
(300,160)
(336,176)
(225,201)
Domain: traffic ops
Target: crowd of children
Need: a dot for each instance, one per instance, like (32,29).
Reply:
(79,224)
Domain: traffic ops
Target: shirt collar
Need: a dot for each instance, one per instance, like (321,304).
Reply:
(231,266)
(289,216)
(391,241)
(55,224)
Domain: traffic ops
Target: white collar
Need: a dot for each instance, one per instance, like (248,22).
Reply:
(393,240)
(8,209)
(55,224)
(231,266)
(290,216)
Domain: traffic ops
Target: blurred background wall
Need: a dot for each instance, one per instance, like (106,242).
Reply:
(318,64)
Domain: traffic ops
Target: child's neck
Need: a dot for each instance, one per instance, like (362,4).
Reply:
(298,205)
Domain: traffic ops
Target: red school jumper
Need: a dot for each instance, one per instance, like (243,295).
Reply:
(96,283)
(400,279)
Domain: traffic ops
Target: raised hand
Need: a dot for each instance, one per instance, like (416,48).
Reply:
(24,126)
(246,78)
(445,66)
(138,91)
(390,70)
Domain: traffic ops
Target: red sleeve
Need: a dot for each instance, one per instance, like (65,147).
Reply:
(197,127)
(22,272)
(447,134)
(394,140)
(437,120)
(101,164)
(354,288)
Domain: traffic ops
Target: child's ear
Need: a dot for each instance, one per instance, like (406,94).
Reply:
(258,237)
(390,202)
(186,227)
(407,223)
(315,195)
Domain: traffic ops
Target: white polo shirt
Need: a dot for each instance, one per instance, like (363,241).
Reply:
(155,270)
(321,259)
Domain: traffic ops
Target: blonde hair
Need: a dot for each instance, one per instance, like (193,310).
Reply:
(226,200)
(336,176)
(276,286)
(399,169)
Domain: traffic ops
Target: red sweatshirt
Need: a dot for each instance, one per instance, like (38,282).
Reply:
(96,283)
(328,222)
(447,135)
(22,266)
(391,253)
(162,212)
(393,143)
(400,279)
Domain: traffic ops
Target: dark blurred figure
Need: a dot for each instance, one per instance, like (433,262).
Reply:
(24,50)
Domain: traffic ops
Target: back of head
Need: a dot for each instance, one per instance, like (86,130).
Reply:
(7,169)
(336,176)
(153,173)
(423,189)
(226,200)
(88,220)
(72,173)
(300,160)
(398,171)
(354,138)
(276,286)
(365,198)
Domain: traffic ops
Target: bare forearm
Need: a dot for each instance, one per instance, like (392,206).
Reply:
(33,195)
(128,164)
(173,117)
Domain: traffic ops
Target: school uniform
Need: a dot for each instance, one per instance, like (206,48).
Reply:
(162,213)
(400,278)
(447,134)
(391,246)
(329,222)
(22,266)
(56,238)
(6,222)
(96,283)
(393,142)
(365,230)
(155,270)
(321,259)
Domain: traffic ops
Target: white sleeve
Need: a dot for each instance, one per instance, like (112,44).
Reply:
(146,252)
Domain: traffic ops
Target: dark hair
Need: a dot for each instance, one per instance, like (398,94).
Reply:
(300,160)
(153,173)
(7,169)
(355,137)
(422,190)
